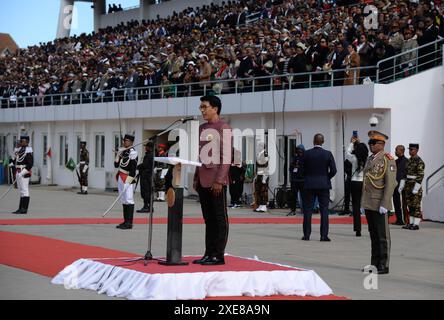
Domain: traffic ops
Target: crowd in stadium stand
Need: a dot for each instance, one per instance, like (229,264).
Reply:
(236,40)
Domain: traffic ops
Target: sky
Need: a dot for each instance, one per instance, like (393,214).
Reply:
(30,22)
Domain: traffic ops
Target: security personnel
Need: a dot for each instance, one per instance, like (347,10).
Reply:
(160,171)
(83,168)
(412,186)
(211,179)
(261,181)
(23,164)
(377,191)
(145,174)
(126,162)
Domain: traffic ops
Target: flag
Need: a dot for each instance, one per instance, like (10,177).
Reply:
(49,167)
(70,165)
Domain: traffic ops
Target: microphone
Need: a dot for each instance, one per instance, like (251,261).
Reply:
(186,119)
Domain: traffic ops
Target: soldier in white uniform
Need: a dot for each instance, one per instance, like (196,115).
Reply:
(23,163)
(126,162)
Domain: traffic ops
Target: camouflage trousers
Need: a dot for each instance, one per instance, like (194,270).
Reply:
(413,200)
(83,176)
(260,191)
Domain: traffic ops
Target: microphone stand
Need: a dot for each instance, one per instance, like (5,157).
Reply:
(148,255)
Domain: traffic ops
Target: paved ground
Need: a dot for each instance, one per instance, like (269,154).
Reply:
(416,268)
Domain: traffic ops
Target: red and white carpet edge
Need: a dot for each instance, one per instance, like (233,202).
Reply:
(238,277)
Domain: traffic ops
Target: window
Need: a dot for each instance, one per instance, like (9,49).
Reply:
(117,141)
(45,149)
(100,151)
(63,150)
(281,159)
(3,147)
(248,149)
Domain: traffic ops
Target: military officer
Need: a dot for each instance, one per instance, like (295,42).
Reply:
(23,163)
(261,181)
(160,173)
(412,186)
(126,162)
(378,186)
(83,168)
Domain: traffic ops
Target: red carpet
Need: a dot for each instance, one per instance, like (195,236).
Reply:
(47,257)
(163,220)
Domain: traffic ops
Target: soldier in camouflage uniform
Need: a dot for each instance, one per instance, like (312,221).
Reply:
(83,168)
(377,191)
(412,186)
(261,181)
(160,170)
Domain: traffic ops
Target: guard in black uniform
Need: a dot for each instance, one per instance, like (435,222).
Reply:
(83,168)
(23,164)
(126,162)
(145,174)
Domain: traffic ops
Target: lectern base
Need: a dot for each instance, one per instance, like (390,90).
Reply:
(168,263)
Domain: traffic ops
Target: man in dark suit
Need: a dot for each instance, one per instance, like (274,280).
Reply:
(319,169)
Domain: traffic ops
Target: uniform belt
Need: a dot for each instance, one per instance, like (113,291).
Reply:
(411,177)
(82,162)
(20,167)
(124,171)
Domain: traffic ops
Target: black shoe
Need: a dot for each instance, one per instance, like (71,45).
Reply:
(213,261)
(383,270)
(305,238)
(120,225)
(292,213)
(124,226)
(414,227)
(325,239)
(407,226)
(20,206)
(358,233)
(203,259)
(143,210)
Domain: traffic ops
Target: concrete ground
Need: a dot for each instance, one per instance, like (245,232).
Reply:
(416,266)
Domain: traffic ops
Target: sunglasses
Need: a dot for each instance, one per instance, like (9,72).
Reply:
(372,142)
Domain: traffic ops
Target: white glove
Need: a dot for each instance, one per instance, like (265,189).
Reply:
(416,188)
(11,164)
(163,173)
(362,210)
(264,179)
(118,154)
(383,210)
(401,185)
(85,168)
(23,172)
(129,180)
(78,166)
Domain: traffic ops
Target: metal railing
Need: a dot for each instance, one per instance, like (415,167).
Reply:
(386,71)
(428,186)
(410,62)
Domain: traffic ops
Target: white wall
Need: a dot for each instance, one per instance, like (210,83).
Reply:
(417,114)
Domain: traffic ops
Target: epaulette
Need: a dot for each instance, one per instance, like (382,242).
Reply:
(389,156)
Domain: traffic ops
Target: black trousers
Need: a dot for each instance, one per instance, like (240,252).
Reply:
(295,188)
(380,238)
(214,211)
(356,194)
(400,204)
(145,189)
(347,195)
(323,196)
(236,190)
